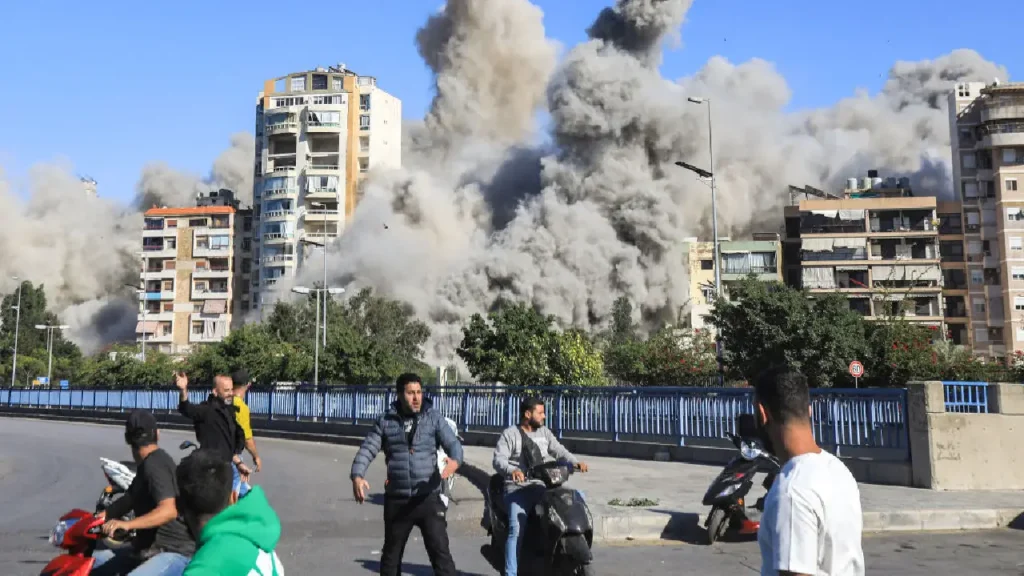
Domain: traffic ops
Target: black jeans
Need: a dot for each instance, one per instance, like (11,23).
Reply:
(427,513)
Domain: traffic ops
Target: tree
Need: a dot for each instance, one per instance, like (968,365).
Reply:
(768,323)
(121,366)
(33,355)
(518,346)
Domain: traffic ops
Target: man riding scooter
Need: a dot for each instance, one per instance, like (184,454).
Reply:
(511,460)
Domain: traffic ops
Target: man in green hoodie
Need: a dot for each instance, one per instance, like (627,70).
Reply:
(235,537)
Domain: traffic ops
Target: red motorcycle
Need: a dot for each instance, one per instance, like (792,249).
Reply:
(77,532)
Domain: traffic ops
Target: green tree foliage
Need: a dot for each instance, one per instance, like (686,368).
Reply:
(33,356)
(768,322)
(122,366)
(518,346)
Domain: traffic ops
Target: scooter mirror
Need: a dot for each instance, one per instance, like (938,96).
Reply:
(186,445)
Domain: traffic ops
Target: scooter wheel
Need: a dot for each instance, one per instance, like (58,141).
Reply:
(717,525)
(586,570)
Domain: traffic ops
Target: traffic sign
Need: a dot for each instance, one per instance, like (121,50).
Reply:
(856,370)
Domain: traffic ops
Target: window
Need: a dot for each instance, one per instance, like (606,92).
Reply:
(364,122)
(974,247)
(1010,186)
(364,143)
(246,265)
(1017,272)
(319,82)
(1014,214)
(168,306)
(707,264)
(1009,156)
(323,118)
(196,222)
(154,223)
(1018,302)
(247,223)
(364,165)
(168,285)
(1016,243)
(1020,334)
(968,161)
(328,99)
(197,328)
(981,335)
(201,286)
(172,223)
(246,244)
(219,242)
(364,102)
(970,189)
(170,243)
(977,276)
(298,83)
(337,86)
(978,305)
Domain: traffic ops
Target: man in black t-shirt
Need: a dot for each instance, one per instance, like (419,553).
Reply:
(163,544)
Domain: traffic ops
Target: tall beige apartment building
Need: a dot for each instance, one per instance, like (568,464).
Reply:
(195,268)
(987,135)
(318,134)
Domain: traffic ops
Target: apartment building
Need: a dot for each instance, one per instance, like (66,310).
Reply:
(761,256)
(987,136)
(192,273)
(875,243)
(318,134)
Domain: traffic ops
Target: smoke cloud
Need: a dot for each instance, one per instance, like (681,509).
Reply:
(84,249)
(479,213)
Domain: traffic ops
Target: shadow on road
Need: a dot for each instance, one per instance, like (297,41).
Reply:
(373,566)
(683,526)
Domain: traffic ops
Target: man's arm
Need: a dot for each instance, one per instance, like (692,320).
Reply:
(245,423)
(120,507)
(164,512)
(502,461)
(556,450)
(194,412)
(795,535)
(368,451)
(449,440)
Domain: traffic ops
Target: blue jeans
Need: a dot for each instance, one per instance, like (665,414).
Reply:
(237,485)
(126,563)
(520,504)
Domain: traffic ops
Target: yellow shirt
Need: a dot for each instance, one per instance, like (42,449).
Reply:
(242,417)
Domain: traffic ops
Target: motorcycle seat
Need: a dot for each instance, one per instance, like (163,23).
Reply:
(496,493)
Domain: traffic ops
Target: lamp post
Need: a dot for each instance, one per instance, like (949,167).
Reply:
(141,291)
(316,334)
(323,208)
(49,347)
(17,324)
(714,220)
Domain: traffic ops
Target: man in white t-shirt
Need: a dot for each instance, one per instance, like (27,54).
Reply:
(812,519)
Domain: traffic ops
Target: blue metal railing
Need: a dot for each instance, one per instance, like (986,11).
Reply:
(842,418)
(966,397)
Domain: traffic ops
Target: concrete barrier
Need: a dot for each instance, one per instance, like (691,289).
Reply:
(957,451)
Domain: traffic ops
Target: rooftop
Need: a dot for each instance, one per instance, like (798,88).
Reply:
(1004,88)
(190,211)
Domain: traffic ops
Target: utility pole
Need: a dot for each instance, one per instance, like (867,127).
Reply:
(17,324)
(49,347)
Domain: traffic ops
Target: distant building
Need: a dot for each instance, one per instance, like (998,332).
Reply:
(193,273)
(876,244)
(318,133)
(987,138)
(761,256)
(89,185)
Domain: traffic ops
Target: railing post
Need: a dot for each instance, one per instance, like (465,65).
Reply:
(682,426)
(615,416)
(296,410)
(558,414)
(325,414)
(270,405)
(465,409)
(355,404)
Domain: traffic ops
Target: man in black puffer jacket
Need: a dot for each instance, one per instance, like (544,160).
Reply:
(410,434)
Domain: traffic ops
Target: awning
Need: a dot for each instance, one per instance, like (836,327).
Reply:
(851,242)
(817,244)
(215,307)
(146,327)
(851,214)
(826,213)
(851,268)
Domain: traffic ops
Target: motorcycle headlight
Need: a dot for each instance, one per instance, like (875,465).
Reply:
(57,534)
(728,490)
(749,451)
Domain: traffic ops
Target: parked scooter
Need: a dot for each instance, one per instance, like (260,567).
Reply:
(448,486)
(728,491)
(559,530)
(77,533)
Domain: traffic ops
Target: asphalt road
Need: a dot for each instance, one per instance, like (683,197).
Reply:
(47,468)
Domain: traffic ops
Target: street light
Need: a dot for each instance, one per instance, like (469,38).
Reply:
(710,173)
(141,291)
(322,206)
(316,334)
(49,347)
(17,324)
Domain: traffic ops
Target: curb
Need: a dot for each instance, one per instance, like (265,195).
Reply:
(612,524)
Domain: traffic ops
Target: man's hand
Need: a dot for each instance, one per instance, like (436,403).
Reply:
(582,467)
(102,515)
(110,527)
(449,469)
(181,381)
(244,472)
(258,463)
(360,488)
(518,477)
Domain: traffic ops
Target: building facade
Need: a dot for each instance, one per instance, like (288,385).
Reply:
(987,137)
(318,133)
(876,244)
(192,276)
(761,256)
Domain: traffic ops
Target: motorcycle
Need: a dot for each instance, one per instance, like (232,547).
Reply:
(448,485)
(77,533)
(559,530)
(119,478)
(728,490)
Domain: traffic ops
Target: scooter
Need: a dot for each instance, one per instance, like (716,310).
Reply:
(559,530)
(119,478)
(77,533)
(448,486)
(728,491)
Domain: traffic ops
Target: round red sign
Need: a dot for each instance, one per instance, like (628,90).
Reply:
(856,369)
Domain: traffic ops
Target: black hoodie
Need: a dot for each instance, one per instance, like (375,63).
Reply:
(215,426)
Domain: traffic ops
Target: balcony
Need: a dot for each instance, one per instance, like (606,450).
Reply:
(322,194)
(215,272)
(158,273)
(320,235)
(290,127)
(221,251)
(281,170)
(276,193)
(1003,134)
(278,260)
(216,292)
(327,215)
(1011,109)
(278,215)
(317,126)
(323,169)
(948,227)
(278,237)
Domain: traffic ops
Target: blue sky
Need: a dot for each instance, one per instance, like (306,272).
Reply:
(111,85)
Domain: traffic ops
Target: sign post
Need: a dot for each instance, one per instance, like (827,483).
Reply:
(856,370)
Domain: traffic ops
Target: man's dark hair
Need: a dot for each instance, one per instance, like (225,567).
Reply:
(406,379)
(784,394)
(240,378)
(140,429)
(528,404)
(204,483)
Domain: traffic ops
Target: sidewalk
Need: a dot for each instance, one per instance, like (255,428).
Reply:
(679,488)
